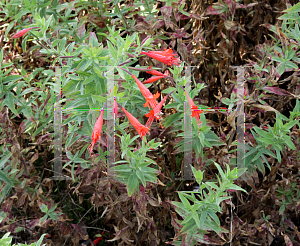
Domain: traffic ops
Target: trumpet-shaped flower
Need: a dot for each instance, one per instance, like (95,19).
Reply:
(150,99)
(97,131)
(156,112)
(115,109)
(195,111)
(167,57)
(141,129)
(153,79)
(154,72)
(22,32)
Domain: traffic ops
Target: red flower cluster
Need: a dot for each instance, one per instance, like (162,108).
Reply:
(168,58)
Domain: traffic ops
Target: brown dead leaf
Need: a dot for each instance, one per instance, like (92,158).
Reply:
(287,240)
(231,120)
(264,107)
(230,24)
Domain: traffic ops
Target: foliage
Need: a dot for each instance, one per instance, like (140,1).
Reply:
(99,45)
(6,240)
(201,217)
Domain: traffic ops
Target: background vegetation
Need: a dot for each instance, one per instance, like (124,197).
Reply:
(146,204)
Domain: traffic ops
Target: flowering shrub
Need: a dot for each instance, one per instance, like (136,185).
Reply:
(120,75)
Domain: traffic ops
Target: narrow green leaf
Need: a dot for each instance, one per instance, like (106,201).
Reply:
(112,51)
(9,102)
(203,218)
(132,184)
(141,177)
(184,200)
(196,218)
(5,178)
(289,143)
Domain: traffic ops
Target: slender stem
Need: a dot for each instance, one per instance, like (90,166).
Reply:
(126,71)
(123,63)
(140,69)
(30,19)
(42,45)
(172,80)
(104,106)
(119,105)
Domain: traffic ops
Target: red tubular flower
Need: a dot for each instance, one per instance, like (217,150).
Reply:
(141,129)
(97,131)
(156,112)
(98,239)
(153,79)
(115,110)
(168,52)
(150,99)
(195,111)
(167,57)
(154,72)
(22,32)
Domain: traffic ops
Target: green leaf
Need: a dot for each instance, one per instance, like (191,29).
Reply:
(168,90)
(289,125)
(189,226)
(4,159)
(44,208)
(179,205)
(234,187)
(132,184)
(62,44)
(43,219)
(10,26)
(293,9)
(112,51)
(150,177)
(189,218)
(212,184)
(121,72)
(12,78)
(9,102)
(173,118)
(6,179)
(220,171)
(196,218)
(214,216)
(39,242)
(281,69)
(90,79)
(289,143)
(203,218)
(281,209)
(141,177)
(291,65)
(184,201)
(5,241)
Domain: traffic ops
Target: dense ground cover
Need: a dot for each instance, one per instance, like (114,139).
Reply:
(125,68)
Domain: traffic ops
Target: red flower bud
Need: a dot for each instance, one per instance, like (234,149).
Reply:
(22,32)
